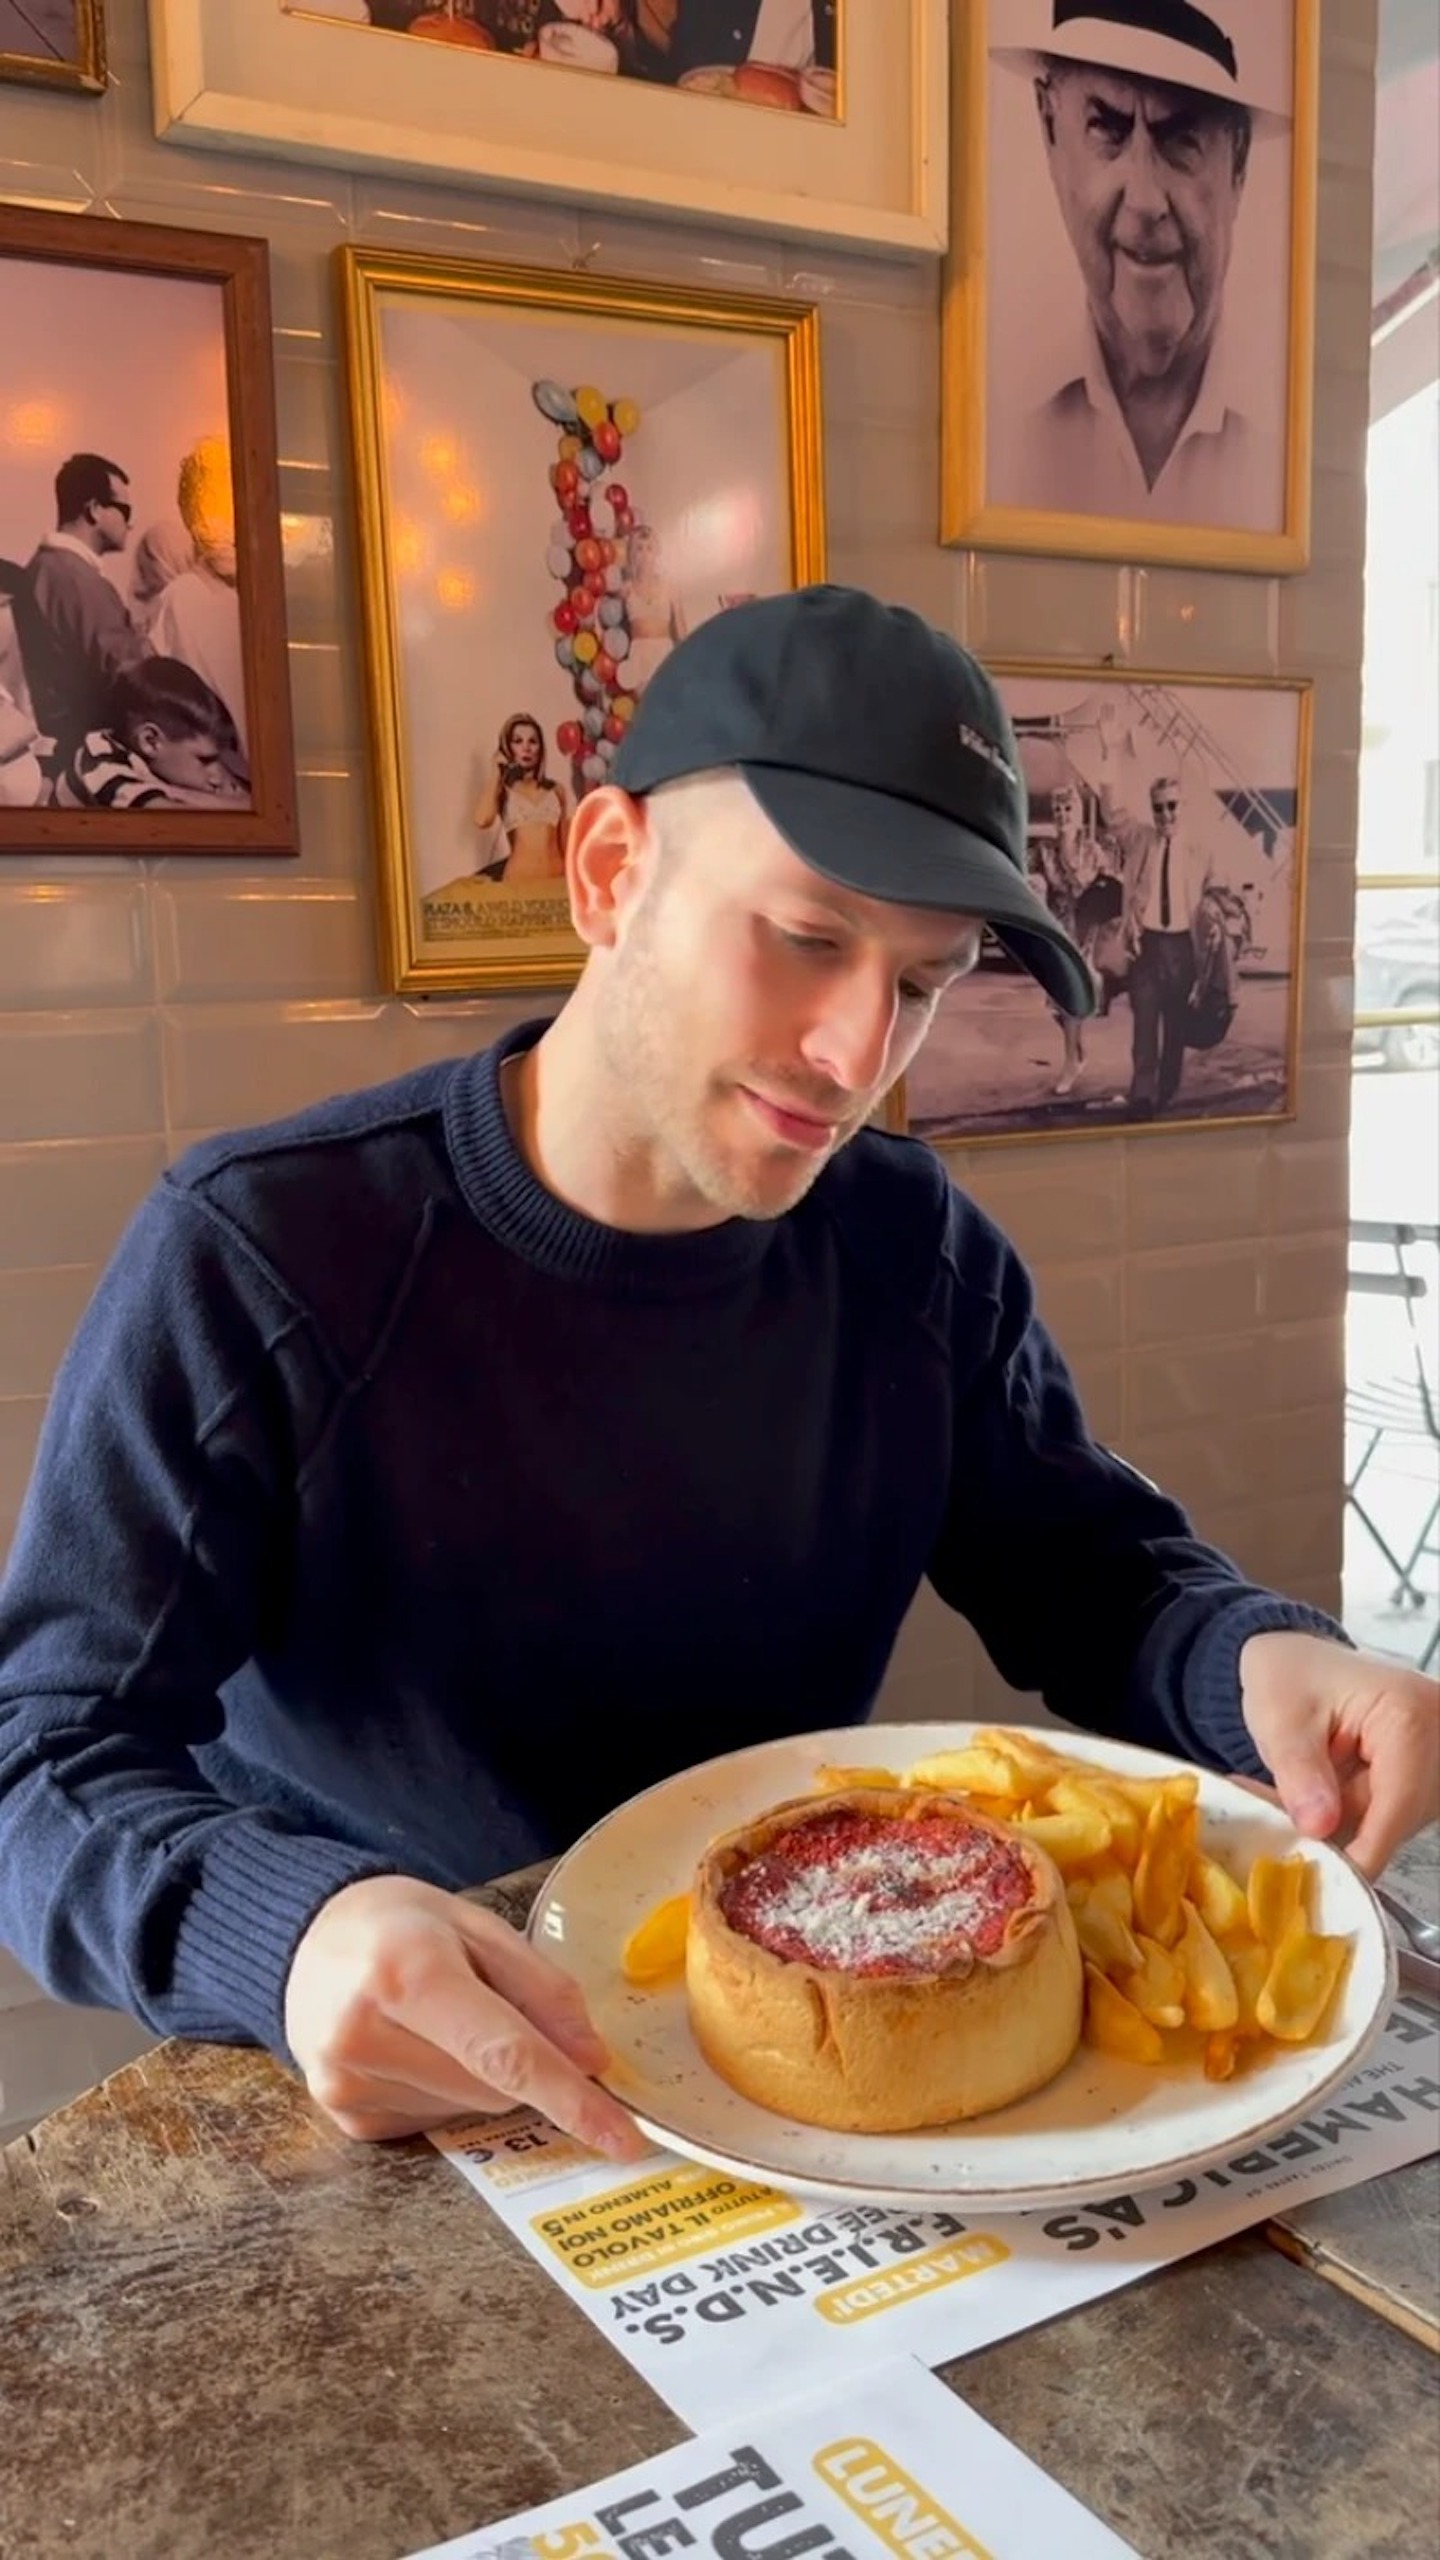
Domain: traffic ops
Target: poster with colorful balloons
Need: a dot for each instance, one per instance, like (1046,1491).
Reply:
(594,554)
(560,475)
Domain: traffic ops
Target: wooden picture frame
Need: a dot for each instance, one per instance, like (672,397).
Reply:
(272,77)
(997,1065)
(145,351)
(515,593)
(81,65)
(1156,404)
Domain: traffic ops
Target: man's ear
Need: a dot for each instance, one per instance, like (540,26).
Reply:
(1045,101)
(608,852)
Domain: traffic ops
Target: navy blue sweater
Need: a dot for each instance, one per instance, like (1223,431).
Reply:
(390,1516)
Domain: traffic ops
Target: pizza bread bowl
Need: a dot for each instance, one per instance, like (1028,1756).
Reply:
(933,2000)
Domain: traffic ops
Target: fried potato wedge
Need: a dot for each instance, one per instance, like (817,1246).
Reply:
(1211,1999)
(1114,2025)
(1072,1839)
(980,1770)
(1024,1746)
(1222,1903)
(1157,1988)
(1104,1936)
(1249,1964)
(1301,1983)
(1275,1897)
(654,1952)
(1164,1868)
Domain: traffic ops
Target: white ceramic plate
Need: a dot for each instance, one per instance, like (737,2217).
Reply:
(1103,2126)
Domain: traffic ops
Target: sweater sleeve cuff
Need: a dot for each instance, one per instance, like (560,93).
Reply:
(1218,1733)
(257,1890)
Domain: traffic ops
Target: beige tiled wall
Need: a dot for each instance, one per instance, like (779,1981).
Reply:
(1197,1280)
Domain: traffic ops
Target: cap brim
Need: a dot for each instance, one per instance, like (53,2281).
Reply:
(911,856)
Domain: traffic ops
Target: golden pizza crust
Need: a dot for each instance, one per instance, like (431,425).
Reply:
(883,2053)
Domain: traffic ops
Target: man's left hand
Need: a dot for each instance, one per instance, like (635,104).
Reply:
(1352,1742)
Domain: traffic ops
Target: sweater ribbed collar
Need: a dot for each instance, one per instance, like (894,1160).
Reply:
(506,1197)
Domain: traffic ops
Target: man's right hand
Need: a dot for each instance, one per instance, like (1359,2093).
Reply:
(407,2007)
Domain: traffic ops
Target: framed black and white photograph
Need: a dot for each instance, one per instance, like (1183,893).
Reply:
(1167,834)
(54,44)
(559,476)
(1129,308)
(144,692)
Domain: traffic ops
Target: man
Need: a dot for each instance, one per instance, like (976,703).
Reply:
(1148,121)
(436,1469)
(1168,875)
(75,634)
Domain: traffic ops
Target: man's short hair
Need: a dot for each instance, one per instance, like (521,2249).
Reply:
(165,694)
(1170,782)
(86,480)
(1237,120)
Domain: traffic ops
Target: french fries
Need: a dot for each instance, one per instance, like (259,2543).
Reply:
(1184,1960)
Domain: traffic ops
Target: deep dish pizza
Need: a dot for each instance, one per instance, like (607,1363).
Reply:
(878,1960)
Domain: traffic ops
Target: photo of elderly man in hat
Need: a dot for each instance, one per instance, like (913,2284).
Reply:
(1152,258)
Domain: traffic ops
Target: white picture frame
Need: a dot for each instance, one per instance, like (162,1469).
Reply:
(875,177)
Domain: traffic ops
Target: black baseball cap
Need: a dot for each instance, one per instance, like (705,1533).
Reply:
(878,747)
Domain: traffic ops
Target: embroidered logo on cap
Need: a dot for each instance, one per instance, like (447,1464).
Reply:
(983,746)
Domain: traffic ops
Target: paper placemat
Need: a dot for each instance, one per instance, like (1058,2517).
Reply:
(893,2467)
(726,2296)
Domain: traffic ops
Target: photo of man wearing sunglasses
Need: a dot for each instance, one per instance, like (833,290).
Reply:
(74,628)
(1169,872)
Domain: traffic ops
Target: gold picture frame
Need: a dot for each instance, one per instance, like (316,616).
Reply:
(1239,747)
(874,177)
(83,67)
(515,593)
(1036,453)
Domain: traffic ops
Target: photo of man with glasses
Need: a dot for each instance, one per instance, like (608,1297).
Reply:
(74,629)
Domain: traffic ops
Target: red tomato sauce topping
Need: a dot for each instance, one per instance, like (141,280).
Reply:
(853,1892)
